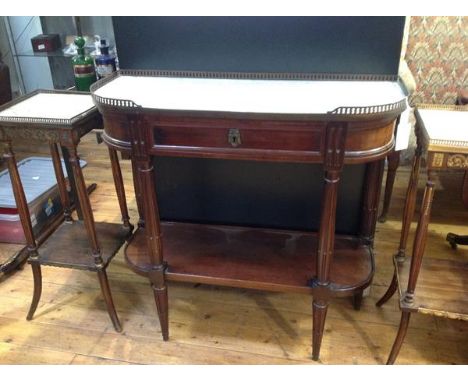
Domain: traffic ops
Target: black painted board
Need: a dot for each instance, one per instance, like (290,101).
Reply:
(335,44)
(257,194)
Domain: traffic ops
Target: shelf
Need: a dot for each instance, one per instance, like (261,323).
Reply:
(55,53)
(69,245)
(267,259)
(21,256)
(442,288)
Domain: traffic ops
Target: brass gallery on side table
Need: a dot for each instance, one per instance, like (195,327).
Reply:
(329,120)
(60,119)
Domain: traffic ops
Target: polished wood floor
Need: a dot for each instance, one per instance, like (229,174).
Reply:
(215,325)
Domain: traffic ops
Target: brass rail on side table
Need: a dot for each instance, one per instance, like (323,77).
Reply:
(441,136)
(79,244)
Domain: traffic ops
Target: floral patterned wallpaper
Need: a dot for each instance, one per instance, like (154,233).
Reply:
(437,56)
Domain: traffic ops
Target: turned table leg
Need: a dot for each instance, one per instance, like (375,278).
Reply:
(161,299)
(104,282)
(416,260)
(71,179)
(402,329)
(37,291)
(319,314)
(357,299)
(390,291)
(86,210)
(119,187)
(88,221)
(64,197)
(146,193)
(324,257)
(23,210)
(138,196)
(419,244)
(408,215)
(410,204)
(393,161)
(370,202)
(419,247)
(154,244)
(336,135)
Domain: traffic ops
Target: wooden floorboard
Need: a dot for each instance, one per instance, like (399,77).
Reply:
(218,325)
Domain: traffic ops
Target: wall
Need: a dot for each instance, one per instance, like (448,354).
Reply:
(437,56)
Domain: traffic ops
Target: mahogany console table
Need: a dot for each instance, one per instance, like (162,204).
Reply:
(441,132)
(62,118)
(331,120)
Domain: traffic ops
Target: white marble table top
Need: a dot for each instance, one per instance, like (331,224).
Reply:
(50,106)
(250,96)
(445,125)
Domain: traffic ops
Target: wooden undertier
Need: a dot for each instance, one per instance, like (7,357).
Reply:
(69,246)
(441,289)
(257,258)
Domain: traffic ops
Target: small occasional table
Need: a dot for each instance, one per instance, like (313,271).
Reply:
(442,135)
(62,118)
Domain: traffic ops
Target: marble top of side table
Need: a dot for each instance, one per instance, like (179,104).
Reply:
(45,106)
(444,128)
(249,95)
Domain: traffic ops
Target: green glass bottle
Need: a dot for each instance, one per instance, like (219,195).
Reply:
(83,67)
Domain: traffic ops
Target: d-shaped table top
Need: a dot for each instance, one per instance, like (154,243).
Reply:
(249,95)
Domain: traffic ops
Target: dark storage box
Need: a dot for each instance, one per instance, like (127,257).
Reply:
(45,42)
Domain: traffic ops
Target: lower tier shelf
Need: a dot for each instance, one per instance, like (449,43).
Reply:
(266,259)
(20,257)
(69,246)
(442,288)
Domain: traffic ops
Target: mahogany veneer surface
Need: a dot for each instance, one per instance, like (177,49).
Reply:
(441,289)
(69,245)
(249,257)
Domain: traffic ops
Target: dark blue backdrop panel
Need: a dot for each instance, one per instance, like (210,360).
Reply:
(261,44)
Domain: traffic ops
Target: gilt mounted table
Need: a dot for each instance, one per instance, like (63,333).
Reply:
(442,136)
(61,118)
(329,120)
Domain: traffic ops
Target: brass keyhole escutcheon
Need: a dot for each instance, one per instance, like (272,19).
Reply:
(234,137)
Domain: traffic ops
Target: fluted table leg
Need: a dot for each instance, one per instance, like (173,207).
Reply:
(393,161)
(88,221)
(119,187)
(419,246)
(336,136)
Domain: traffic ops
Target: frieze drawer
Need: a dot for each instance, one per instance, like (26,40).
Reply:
(239,137)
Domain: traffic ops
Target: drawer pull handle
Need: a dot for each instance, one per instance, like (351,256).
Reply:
(234,137)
